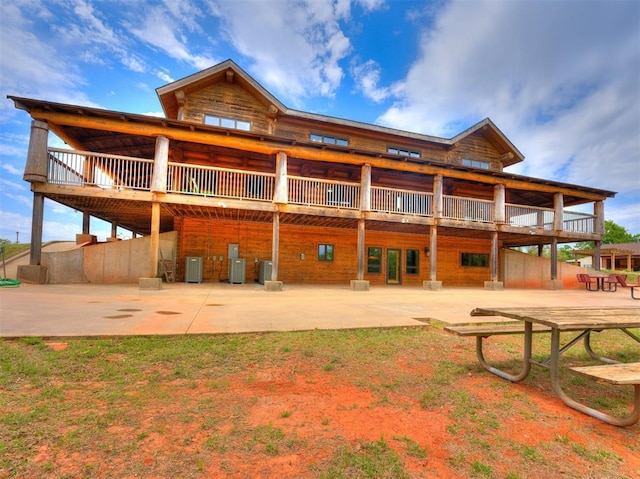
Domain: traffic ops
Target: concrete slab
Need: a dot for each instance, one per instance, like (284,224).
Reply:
(209,308)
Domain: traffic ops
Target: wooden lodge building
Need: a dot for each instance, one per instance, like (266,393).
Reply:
(236,175)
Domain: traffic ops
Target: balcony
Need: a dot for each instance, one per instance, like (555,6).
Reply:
(81,168)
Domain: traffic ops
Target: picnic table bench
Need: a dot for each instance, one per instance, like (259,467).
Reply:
(582,321)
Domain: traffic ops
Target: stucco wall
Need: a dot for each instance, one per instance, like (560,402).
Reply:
(113,262)
(522,270)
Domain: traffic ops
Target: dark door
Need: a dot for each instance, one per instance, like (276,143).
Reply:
(394,262)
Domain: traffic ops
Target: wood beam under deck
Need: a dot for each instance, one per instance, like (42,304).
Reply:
(270,146)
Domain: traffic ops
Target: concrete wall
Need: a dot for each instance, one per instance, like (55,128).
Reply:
(522,270)
(113,262)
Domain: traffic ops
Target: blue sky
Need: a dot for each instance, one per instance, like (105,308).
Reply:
(560,78)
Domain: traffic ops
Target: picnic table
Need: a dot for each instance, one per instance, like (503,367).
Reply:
(581,321)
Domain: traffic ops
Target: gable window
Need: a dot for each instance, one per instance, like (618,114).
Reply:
(374,260)
(224,122)
(329,140)
(403,152)
(412,261)
(474,259)
(325,252)
(475,163)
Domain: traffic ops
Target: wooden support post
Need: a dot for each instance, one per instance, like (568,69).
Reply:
(86,223)
(433,284)
(558,217)
(494,256)
(365,188)
(597,259)
(160,165)
(437,196)
(598,211)
(35,170)
(114,229)
(361,253)
(37,220)
(554,258)
(433,253)
(499,213)
(281,193)
(275,246)
(154,244)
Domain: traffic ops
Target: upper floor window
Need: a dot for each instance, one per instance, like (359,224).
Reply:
(329,140)
(475,163)
(227,122)
(403,152)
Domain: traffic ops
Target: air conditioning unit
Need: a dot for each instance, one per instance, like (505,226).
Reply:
(264,271)
(237,270)
(193,270)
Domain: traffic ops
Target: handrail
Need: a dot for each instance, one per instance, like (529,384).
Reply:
(392,200)
(319,192)
(223,182)
(79,168)
(468,209)
(529,216)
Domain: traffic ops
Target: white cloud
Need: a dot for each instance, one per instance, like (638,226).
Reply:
(296,47)
(367,78)
(568,98)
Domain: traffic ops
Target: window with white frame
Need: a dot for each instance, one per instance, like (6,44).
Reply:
(475,163)
(224,122)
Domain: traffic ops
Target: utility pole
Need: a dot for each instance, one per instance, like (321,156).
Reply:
(17,237)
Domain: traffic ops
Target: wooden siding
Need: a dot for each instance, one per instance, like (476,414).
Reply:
(475,147)
(299,252)
(229,101)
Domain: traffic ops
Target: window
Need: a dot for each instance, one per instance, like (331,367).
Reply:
(475,259)
(412,261)
(403,152)
(227,123)
(325,252)
(374,260)
(329,140)
(475,163)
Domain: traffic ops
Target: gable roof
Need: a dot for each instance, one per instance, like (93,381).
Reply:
(230,71)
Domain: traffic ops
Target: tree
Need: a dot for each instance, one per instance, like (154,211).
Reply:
(614,234)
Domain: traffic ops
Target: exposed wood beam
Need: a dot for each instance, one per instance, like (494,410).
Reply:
(272,146)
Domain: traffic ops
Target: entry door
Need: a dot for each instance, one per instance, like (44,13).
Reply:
(394,263)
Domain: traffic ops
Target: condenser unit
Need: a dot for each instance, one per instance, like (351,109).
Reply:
(264,271)
(237,268)
(193,270)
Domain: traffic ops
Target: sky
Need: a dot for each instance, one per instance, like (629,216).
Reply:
(560,78)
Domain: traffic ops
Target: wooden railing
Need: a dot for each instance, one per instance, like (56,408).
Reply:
(221,182)
(80,168)
(406,202)
(468,209)
(578,222)
(318,192)
(529,216)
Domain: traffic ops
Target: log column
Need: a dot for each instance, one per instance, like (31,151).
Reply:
(280,196)
(494,284)
(35,171)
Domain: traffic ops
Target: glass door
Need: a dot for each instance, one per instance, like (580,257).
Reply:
(394,262)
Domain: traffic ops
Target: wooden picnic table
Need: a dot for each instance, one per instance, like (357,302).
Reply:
(578,320)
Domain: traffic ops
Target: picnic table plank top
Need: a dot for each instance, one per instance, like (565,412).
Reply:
(569,318)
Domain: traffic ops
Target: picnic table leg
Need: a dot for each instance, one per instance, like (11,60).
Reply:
(554,366)
(526,359)
(596,356)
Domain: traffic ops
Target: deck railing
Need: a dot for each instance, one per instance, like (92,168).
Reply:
(529,216)
(578,222)
(80,168)
(391,200)
(319,192)
(222,182)
(468,209)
